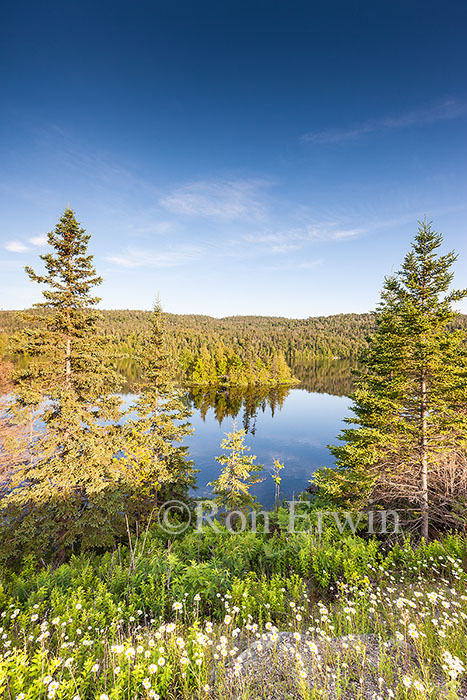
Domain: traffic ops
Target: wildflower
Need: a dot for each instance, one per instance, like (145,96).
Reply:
(177,606)
(103,696)
(407,681)
(161,661)
(146,683)
(78,606)
(452,665)
(152,668)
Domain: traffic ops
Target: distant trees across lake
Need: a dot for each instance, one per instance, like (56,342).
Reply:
(233,351)
(97,470)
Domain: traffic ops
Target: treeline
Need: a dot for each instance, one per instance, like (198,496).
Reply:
(343,335)
(300,341)
(238,350)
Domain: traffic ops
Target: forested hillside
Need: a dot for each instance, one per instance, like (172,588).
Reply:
(236,349)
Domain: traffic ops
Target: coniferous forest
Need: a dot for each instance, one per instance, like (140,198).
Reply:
(233,350)
(120,581)
(238,350)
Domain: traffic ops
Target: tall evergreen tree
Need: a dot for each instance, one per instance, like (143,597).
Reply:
(156,463)
(232,489)
(66,495)
(409,446)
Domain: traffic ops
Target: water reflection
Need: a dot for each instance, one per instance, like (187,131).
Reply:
(321,376)
(244,404)
(238,402)
(326,377)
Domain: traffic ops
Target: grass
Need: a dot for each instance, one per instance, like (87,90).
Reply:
(162,625)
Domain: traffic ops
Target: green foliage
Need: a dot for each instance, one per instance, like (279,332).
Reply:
(240,349)
(239,474)
(66,493)
(408,450)
(157,466)
(227,367)
(208,563)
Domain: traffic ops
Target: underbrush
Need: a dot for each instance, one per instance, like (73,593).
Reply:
(325,619)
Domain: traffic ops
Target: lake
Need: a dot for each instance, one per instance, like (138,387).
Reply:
(293,425)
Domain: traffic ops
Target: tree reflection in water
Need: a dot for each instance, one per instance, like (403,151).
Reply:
(233,402)
(245,402)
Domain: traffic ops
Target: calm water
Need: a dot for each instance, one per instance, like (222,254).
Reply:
(291,425)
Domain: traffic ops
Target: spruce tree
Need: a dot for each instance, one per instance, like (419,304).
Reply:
(408,449)
(157,465)
(66,495)
(232,488)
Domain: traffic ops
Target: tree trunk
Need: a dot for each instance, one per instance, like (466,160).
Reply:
(68,363)
(424,461)
(31,432)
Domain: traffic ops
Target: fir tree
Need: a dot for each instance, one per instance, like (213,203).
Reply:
(66,495)
(410,403)
(240,473)
(157,465)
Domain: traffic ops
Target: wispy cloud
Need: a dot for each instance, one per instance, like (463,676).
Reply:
(443,111)
(140,257)
(229,200)
(38,240)
(342,234)
(284,248)
(298,237)
(16,247)
(294,265)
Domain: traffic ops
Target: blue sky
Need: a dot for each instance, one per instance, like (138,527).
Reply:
(237,157)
